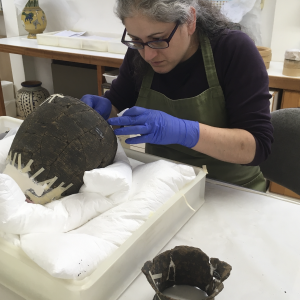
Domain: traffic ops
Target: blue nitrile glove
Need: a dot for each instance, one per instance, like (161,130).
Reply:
(156,127)
(100,104)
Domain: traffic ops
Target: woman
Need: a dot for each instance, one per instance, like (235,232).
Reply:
(197,90)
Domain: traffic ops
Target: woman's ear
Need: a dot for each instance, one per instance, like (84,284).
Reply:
(191,26)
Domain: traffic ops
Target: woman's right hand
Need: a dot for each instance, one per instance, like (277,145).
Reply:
(100,104)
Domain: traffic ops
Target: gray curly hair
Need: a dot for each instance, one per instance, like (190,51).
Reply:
(210,21)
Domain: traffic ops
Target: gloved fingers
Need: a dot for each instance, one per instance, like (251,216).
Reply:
(87,99)
(104,108)
(138,140)
(100,104)
(125,121)
(139,129)
(135,111)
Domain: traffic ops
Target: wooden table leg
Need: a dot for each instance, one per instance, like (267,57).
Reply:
(2,106)
(100,78)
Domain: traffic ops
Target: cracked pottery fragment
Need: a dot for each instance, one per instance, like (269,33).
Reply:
(55,145)
(185,265)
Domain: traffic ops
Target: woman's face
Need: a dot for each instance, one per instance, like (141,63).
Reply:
(143,29)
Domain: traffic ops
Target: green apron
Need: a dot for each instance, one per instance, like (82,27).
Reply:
(207,108)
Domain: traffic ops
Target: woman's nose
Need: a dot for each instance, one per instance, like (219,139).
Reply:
(149,53)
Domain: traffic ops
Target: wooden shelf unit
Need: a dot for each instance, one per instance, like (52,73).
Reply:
(23,46)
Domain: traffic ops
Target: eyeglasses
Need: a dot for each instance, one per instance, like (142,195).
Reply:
(157,44)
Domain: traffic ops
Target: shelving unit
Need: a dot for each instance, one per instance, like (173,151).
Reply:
(290,99)
(22,45)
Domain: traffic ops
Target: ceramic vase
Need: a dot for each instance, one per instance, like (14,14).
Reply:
(34,18)
(30,96)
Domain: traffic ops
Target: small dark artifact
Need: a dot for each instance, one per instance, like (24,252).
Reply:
(185,265)
(55,145)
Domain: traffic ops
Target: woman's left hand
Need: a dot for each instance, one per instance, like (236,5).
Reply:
(156,127)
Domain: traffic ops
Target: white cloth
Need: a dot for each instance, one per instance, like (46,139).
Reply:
(66,256)
(235,10)
(70,237)
(11,238)
(113,182)
(248,14)
(251,23)
(20,217)
(5,145)
(153,184)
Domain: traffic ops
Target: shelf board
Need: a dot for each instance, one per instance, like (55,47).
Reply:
(24,46)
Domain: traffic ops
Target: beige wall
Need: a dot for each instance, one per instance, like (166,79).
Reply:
(267,22)
(286,29)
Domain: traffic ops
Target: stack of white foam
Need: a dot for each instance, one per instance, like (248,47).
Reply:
(9,98)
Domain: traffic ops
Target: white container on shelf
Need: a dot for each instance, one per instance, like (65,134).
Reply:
(101,42)
(21,275)
(49,39)
(116,47)
(111,75)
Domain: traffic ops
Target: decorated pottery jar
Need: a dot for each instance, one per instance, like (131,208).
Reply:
(34,18)
(29,97)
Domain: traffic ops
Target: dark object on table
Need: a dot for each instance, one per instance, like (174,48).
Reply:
(185,265)
(283,164)
(55,145)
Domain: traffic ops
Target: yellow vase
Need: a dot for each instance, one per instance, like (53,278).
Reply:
(34,18)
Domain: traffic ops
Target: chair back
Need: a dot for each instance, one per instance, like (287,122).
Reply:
(283,164)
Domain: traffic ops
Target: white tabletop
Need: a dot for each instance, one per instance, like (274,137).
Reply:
(23,41)
(257,234)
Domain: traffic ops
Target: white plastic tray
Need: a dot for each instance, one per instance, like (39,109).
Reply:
(7,123)
(110,76)
(113,45)
(21,275)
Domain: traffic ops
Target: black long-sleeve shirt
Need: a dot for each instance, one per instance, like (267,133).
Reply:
(242,75)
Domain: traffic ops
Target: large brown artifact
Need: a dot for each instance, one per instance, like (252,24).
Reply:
(55,145)
(185,265)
